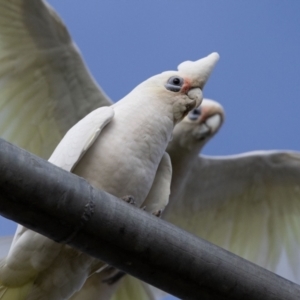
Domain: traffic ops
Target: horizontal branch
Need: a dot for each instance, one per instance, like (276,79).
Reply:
(67,209)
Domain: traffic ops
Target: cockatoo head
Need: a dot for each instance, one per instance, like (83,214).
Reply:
(199,125)
(181,89)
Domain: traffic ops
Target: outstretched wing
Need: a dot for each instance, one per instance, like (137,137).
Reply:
(45,87)
(248,204)
(159,194)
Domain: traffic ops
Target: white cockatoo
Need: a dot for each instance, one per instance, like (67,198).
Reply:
(109,144)
(246,203)
(45,87)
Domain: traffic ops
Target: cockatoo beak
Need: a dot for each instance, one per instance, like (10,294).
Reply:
(213,123)
(208,127)
(209,118)
(196,74)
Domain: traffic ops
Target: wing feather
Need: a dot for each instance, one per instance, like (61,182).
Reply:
(80,137)
(45,87)
(248,204)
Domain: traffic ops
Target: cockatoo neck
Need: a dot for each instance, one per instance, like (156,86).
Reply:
(184,152)
(159,116)
(184,141)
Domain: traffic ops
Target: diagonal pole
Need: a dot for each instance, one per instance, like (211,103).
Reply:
(67,209)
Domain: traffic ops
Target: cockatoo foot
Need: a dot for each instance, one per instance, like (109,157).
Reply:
(129,199)
(157,213)
(114,278)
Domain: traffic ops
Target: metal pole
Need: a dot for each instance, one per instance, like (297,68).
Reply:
(67,209)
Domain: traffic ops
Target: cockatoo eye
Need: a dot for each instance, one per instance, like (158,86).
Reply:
(195,113)
(176,81)
(174,84)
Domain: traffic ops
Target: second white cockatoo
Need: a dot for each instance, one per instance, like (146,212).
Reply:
(120,149)
(246,203)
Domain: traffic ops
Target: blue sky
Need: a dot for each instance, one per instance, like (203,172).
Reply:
(257,79)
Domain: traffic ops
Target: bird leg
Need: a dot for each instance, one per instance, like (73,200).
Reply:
(157,213)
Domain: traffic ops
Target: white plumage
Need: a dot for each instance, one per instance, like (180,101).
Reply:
(45,87)
(246,203)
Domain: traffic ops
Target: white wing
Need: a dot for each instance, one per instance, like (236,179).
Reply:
(158,196)
(80,137)
(248,204)
(45,87)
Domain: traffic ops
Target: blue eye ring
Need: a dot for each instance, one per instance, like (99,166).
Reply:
(195,113)
(174,84)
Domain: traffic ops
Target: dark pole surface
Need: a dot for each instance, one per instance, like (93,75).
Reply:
(65,208)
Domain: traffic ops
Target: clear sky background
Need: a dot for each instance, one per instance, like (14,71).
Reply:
(257,79)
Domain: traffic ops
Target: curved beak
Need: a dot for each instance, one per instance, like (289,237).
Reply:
(199,71)
(208,127)
(196,94)
(196,74)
